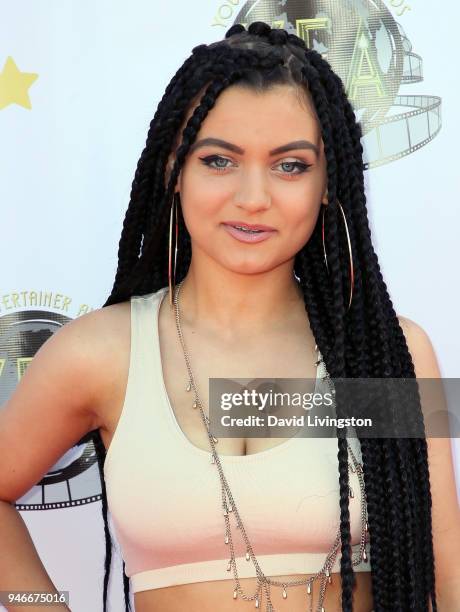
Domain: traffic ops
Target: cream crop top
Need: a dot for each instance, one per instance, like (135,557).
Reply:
(164,494)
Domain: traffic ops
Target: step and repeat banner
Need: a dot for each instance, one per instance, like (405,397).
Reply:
(79,84)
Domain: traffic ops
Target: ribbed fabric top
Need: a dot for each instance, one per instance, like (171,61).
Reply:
(164,494)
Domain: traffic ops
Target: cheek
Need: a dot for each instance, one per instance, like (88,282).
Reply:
(300,204)
(194,205)
(306,202)
(300,218)
(205,195)
(200,208)
(201,211)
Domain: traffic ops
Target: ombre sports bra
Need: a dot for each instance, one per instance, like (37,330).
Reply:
(164,493)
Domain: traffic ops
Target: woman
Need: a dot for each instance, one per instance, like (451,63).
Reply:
(254,130)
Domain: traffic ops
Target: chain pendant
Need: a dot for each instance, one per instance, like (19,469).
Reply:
(354,466)
(310,598)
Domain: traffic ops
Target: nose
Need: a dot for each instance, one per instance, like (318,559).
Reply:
(253,192)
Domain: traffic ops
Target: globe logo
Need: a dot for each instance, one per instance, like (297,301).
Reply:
(372,55)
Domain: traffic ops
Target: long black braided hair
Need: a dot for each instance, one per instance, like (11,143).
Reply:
(366,341)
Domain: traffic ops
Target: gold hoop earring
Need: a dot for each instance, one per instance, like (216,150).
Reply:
(350,254)
(172,273)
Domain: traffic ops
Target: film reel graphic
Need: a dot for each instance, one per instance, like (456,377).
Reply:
(420,125)
(413,63)
(74,479)
(374,57)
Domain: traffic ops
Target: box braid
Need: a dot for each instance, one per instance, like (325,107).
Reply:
(412,448)
(366,341)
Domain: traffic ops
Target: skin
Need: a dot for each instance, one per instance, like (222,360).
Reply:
(242,295)
(240,306)
(240,302)
(238,290)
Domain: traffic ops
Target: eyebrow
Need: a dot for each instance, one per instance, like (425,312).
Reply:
(296,144)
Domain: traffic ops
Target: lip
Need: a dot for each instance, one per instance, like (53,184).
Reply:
(247,238)
(250,226)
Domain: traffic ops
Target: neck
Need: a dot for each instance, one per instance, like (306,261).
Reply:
(232,305)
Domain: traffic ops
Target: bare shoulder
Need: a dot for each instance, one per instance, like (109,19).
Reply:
(445,503)
(421,349)
(107,333)
(95,346)
(59,397)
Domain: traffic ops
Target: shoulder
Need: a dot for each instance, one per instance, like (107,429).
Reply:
(102,338)
(57,399)
(421,349)
(102,328)
(445,504)
(104,320)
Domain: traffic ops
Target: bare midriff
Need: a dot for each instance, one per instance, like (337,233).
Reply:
(217,596)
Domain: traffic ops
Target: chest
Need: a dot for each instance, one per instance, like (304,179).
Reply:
(286,354)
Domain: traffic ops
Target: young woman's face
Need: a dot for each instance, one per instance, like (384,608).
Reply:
(235,173)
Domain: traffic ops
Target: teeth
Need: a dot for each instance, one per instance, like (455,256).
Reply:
(246,230)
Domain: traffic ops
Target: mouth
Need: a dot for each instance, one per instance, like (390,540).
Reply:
(249,227)
(253,234)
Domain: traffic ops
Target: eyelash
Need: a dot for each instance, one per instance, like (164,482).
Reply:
(207,161)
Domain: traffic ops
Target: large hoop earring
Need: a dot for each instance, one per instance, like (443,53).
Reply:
(350,254)
(172,273)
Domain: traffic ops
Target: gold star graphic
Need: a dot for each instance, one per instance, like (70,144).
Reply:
(14,85)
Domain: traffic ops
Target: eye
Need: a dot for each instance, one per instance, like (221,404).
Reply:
(220,164)
(290,165)
(215,162)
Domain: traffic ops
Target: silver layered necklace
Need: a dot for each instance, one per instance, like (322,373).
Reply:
(230,510)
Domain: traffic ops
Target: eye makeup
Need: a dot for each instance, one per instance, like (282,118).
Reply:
(213,159)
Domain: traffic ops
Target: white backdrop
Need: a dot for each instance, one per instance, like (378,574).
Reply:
(79,84)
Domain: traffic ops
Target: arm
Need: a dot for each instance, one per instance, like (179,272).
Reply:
(20,565)
(51,409)
(445,508)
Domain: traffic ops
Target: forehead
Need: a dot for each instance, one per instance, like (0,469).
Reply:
(282,113)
